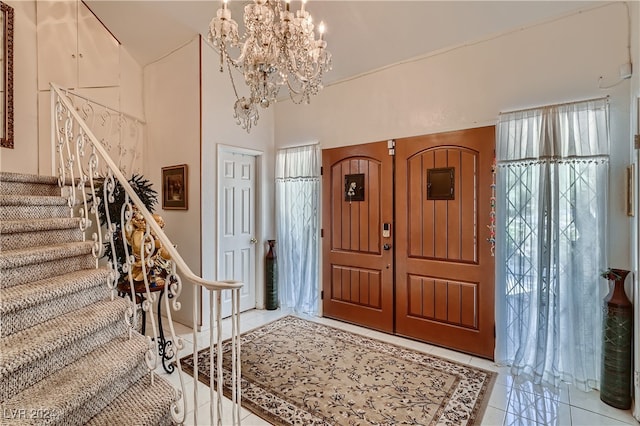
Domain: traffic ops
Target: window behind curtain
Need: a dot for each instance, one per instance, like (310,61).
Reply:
(552,196)
(297,227)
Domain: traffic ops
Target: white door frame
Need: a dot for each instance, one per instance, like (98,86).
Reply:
(259,207)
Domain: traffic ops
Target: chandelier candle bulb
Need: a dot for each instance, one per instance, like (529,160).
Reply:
(302,7)
(288,3)
(321,30)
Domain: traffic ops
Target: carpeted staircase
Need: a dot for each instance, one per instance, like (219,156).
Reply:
(65,353)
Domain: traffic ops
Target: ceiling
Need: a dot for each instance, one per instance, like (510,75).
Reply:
(361,35)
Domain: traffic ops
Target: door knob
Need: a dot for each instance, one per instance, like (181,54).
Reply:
(387,246)
(253,241)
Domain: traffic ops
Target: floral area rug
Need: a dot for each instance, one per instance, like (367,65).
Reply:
(298,372)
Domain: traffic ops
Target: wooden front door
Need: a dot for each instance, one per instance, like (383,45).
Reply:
(357,260)
(444,267)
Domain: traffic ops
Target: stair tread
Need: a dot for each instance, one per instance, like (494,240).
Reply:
(29,255)
(35,342)
(85,361)
(27,178)
(73,386)
(35,225)
(37,292)
(32,200)
(141,404)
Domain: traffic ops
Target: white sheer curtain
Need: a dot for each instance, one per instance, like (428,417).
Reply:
(551,223)
(297,227)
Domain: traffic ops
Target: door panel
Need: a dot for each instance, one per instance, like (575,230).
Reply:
(453,302)
(356,285)
(236,247)
(357,271)
(444,269)
(442,229)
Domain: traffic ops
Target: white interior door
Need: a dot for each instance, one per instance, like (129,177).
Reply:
(237,230)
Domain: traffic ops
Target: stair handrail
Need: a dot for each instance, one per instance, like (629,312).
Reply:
(168,245)
(152,231)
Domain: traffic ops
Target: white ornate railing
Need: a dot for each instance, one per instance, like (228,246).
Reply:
(121,135)
(84,166)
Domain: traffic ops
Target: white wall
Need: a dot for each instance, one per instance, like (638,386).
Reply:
(469,86)
(172,105)
(23,157)
(32,152)
(131,85)
(219,127)
(187,125)
(634,11)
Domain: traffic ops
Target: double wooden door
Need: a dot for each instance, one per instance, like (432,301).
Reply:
(405,246)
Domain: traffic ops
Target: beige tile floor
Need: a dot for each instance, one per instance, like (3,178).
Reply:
(511,403)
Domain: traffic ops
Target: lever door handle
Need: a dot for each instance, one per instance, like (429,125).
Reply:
(253,241)
(387,246)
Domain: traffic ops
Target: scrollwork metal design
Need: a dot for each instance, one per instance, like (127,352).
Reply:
(91,181)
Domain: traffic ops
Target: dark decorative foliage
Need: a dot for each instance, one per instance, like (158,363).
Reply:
(149,197)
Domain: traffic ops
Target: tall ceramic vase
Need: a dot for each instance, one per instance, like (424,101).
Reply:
(271,277)
(615,382)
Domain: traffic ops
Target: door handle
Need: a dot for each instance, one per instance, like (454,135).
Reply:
(253,240)
(387,246)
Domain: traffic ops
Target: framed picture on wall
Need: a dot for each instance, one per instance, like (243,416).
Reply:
(175,188)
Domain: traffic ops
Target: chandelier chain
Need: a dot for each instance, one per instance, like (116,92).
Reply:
(233,84)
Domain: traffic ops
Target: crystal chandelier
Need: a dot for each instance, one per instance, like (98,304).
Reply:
(279,48)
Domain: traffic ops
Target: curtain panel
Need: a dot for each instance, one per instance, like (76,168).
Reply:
(552,177)
(297,227)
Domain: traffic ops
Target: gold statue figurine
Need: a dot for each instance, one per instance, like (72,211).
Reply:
(158,267)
